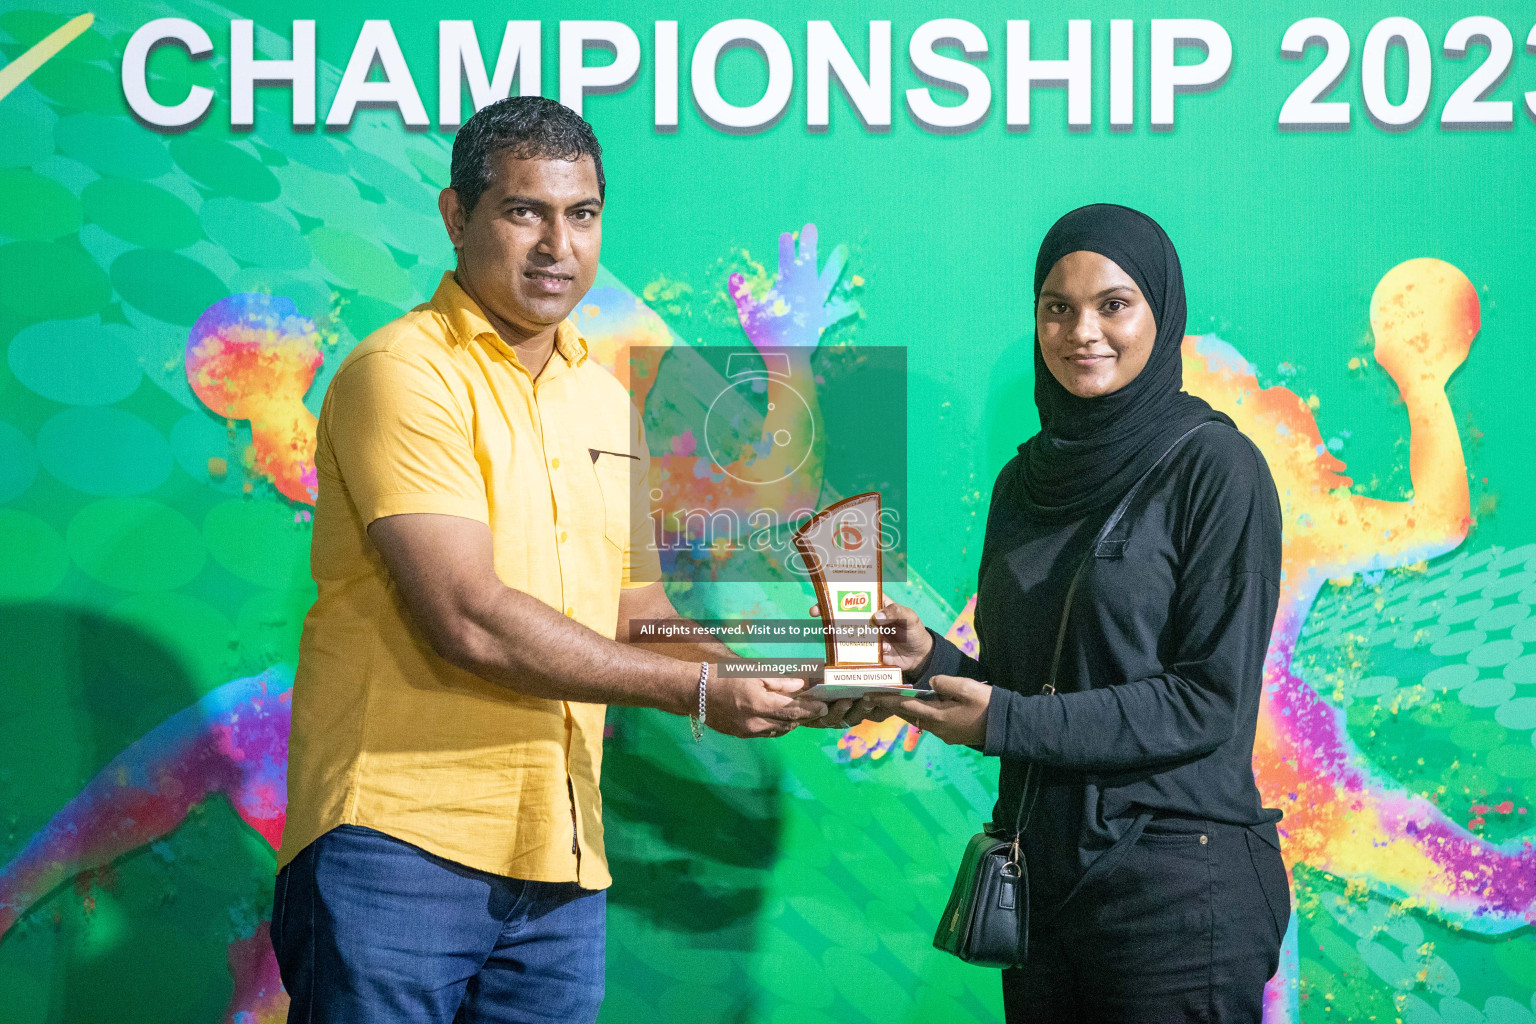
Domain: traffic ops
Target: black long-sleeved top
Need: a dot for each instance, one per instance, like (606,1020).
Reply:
(1158,691)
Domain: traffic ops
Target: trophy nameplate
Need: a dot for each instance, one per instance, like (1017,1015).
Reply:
(840,546)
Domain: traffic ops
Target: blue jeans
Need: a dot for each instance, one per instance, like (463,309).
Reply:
(371,930)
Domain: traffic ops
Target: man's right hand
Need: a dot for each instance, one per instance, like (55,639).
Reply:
(752,708)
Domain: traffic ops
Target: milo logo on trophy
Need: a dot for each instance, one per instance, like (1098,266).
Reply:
(854,601)
(841,550)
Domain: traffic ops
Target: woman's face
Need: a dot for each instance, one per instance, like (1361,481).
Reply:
(1095,327)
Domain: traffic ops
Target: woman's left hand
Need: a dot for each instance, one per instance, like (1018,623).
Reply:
(957,714)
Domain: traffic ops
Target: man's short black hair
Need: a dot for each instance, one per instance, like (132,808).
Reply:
(527,127)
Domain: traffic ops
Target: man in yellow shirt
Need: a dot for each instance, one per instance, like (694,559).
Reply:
(479,541)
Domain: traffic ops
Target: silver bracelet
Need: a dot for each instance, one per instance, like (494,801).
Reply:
(697,721)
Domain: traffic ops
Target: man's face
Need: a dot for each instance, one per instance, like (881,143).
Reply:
(528,251)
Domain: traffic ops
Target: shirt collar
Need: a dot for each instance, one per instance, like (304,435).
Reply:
(469,324)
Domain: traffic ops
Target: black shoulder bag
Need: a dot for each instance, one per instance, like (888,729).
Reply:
(986,921)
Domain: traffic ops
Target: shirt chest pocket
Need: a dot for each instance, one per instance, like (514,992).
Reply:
(614,471)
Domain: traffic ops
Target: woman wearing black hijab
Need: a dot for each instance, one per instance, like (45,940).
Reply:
(1157,892)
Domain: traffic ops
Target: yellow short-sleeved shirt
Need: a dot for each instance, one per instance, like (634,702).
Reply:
(434,413)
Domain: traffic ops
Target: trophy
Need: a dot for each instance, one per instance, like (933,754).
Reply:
(840,546)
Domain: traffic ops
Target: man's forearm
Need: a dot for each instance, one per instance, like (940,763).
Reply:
(694,651)
(650,604)
(521,642)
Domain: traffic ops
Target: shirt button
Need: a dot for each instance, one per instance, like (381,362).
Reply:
(1204,840)
(554,463)
(570,610)
(562,536)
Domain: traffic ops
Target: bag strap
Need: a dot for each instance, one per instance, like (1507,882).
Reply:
(1031,789)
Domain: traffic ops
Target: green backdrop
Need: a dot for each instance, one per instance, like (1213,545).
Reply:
(153,565)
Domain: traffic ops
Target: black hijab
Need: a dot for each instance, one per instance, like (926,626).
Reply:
(1090,450)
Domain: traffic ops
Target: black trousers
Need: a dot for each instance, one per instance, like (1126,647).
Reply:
(1186,928)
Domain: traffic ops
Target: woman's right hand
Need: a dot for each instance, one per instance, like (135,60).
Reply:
(912,647)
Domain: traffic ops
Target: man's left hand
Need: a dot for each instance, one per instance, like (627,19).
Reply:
(957,714)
